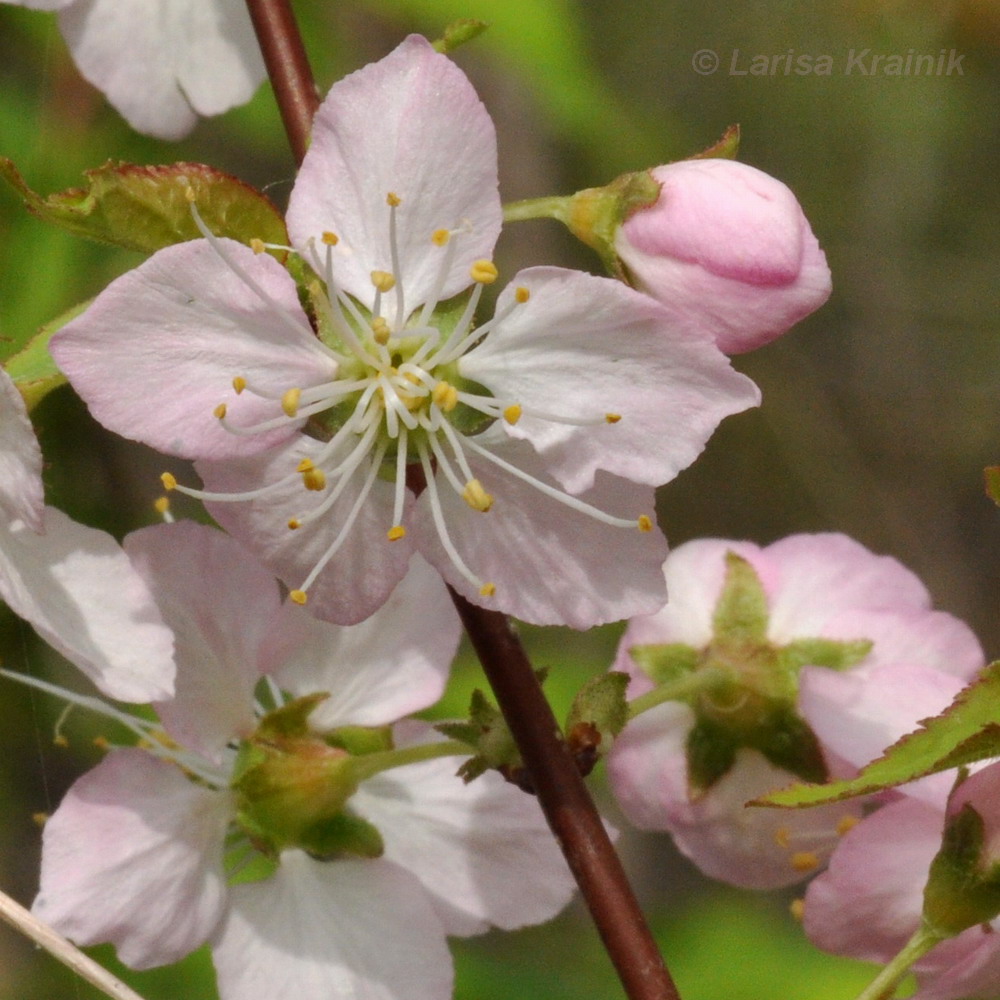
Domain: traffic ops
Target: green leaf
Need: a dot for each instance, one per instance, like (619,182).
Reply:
(727,147)
(967,731)
(146,208)
(458,33)
(32,369)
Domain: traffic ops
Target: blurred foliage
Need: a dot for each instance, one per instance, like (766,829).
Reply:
(878,414)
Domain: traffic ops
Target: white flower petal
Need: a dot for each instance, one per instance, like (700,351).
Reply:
(410,124)
(219,601)
(75,585)
(179,328)
(133,855)
(392,664)
(584,347)
(341,929)
(21,494)
(468,844)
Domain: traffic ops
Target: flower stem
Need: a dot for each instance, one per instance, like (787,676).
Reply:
(554,207)
(288,68)
(675,691)
(883,986)
(71,956)
(369,764)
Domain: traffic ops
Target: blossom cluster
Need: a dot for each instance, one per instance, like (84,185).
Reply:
(366,441)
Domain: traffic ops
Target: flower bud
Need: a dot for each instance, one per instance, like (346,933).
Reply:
(726,244)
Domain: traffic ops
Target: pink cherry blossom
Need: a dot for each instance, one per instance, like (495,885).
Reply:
(74,584)
(870,900)
(817,587)
(540,434)
(727,245)
(140,851)
(162,63)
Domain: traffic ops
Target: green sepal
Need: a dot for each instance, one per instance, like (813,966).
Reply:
(32,369)
(741,611)
(485,732)
(360,740)
(291,719)
(145,208)
(343,834)
(992,476)
(781,737)
(967,731)
(960,892)
(458,33)
(726,148)
(665,662)
(833,654)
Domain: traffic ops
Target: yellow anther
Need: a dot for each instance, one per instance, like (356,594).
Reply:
(845,823)
(60,741)
(161,505)
(476,497)
(294,524)
(314,479)
(257,245)
(290,401)
(298,596)
(101,742)
(445,395)
(797,908)
(487,590)
(393,200)
(440,236)
(395,533)
(189,194)
(305,465)
(380,330)
(239,384)
(522,295)
(169,481)
(484,271)
(330,239)
(612,418)
(645,523)
(220,411)
(383,280)
(805,861)
(39,819)
(782,837)
(512,413)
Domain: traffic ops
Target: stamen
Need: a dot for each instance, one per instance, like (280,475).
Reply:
(330,239)
(394,201)
(476,497)
(564,498)
(440,236)
(804,861)
(512,413)
(612,418)
(290,401)
(797,908)
(484,271)
(445,395)
(846,822)
(239,384)
(485,589)
(521,295)
(383,280)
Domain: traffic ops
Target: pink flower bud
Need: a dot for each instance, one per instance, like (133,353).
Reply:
(729,244)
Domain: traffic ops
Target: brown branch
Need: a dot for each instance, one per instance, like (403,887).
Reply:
(288,68)
(561,792)
(567,805)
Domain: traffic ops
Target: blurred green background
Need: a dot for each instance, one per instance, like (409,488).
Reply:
(879,412)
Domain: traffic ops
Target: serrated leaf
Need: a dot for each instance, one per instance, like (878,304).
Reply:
(601,701)
(967,731)
(145,208)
